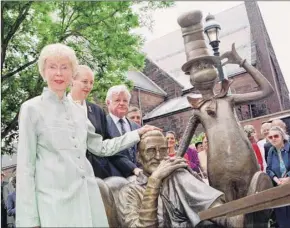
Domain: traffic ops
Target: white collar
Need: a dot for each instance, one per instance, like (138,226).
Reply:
(116,119)
(69,96)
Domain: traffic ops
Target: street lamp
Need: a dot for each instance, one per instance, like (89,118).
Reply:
(211,29)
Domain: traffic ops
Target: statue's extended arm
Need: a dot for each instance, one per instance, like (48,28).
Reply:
(187,135)
(265,88)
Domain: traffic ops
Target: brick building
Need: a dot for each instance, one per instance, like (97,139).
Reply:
(160,90)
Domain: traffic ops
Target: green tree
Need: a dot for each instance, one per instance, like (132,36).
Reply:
(100,33)
(197,138)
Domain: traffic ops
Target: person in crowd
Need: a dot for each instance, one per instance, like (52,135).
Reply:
(11,201)
(134,114)
(117,100)
(167,194)
(265,127)
(268,145)
(192,157)
(171,142)
(278,168)
(7,190)
(252,136)
(3,204)
(280,123)
(56,186)
(198,147)
(81,87)
(202,157)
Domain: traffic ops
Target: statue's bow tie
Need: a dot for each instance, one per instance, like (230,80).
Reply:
(196,103)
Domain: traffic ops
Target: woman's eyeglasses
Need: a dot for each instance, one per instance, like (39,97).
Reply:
(273,137)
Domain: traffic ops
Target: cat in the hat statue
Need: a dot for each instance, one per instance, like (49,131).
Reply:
(231,162)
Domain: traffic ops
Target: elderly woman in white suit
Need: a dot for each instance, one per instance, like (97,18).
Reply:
(56,186)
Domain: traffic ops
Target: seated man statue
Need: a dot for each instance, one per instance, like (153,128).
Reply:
(167,194)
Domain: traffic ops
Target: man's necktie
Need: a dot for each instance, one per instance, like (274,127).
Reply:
(122,123)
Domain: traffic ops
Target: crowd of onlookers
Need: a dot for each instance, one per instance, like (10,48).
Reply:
(272,152)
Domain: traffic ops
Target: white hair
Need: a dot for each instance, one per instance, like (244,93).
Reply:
(285,137)
(57,49)
(84,68)
(265,126)
(117,90)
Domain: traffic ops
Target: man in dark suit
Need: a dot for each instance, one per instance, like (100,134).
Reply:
(134,114)
(117,100)
(81,87)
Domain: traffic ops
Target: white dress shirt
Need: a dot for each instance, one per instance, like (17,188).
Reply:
(118,124)
(261,144)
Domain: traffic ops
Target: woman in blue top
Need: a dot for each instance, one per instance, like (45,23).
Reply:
(278,168)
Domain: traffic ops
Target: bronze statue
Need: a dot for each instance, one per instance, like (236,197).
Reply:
(170,195)
(232,165)
(167,194)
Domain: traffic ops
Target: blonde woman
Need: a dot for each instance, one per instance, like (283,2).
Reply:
(56,186)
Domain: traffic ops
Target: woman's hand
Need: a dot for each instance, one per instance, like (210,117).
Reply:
(137,171)
(277,180)
(284,180)
(146,128)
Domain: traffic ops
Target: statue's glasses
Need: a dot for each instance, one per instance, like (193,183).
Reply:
(153,151)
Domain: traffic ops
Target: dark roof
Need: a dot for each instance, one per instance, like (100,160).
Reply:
(144,83)
(168,51)
(170,106)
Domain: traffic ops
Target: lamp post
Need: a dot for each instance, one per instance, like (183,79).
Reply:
(211,29)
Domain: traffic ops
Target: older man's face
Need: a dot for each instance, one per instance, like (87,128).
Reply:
(119,104)
(151,152)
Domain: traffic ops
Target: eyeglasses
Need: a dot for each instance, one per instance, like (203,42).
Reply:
(273,137)
(152,152)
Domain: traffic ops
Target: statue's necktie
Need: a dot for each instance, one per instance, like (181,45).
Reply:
(122,123)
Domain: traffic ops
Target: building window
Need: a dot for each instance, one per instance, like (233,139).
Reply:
(252,110)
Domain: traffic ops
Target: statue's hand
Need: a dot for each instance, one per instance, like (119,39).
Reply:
(232,56)
(167,166)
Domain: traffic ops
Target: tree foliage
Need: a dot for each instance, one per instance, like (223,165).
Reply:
(197,138)
(99,32)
